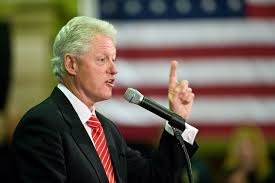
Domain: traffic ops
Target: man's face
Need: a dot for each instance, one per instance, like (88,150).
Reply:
(96,70)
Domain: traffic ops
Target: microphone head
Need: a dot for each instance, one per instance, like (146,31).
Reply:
(133,96)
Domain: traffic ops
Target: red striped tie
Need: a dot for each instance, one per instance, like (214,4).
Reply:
(101,146)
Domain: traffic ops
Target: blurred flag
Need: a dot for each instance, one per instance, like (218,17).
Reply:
(225,48)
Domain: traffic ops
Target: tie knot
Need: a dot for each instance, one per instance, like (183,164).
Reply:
(93,123)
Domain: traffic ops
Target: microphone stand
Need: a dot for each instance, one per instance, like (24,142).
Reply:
(177,133)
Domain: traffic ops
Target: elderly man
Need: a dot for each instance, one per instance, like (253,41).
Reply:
(64,138)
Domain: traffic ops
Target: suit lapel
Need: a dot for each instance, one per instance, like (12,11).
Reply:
(83,140)
(79,133)
(111,145)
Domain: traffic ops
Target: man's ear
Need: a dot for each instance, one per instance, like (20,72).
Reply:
(70,64)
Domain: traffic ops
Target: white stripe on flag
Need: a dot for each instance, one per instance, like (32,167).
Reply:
(222,71)
(195,33)
(260,2)
(210,109)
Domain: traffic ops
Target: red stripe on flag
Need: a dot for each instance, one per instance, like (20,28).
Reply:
(150,133)
(140,133)
(243,90)
(260,11)
(225,130)
(198,52)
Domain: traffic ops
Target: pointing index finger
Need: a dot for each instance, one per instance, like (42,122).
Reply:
(173,74)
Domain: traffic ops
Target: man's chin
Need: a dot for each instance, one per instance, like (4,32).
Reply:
(105,97)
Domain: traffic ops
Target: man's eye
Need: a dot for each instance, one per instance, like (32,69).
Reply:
(101,61)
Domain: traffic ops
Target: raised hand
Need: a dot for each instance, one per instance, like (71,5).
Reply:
(180,96)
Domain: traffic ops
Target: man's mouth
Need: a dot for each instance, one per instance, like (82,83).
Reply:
(111,82)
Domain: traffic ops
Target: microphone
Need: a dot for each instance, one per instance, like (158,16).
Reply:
(135,97)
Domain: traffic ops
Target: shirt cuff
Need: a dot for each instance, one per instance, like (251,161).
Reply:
(188,135)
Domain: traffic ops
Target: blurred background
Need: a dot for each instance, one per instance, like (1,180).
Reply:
(225,48)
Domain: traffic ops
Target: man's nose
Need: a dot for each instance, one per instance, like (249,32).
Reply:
(113,68)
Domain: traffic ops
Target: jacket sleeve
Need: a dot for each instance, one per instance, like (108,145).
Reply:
(38,153)
(164,164)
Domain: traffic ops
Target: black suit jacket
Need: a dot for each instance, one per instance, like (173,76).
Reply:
(51,145)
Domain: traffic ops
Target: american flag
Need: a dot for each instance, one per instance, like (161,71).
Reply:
(225,48)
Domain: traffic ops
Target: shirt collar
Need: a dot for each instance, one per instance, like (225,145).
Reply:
(83,112)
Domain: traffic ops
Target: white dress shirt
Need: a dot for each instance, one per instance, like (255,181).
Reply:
(84,113)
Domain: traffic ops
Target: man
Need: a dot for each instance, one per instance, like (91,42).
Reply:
(58,140)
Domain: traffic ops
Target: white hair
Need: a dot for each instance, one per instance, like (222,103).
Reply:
(75,38)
